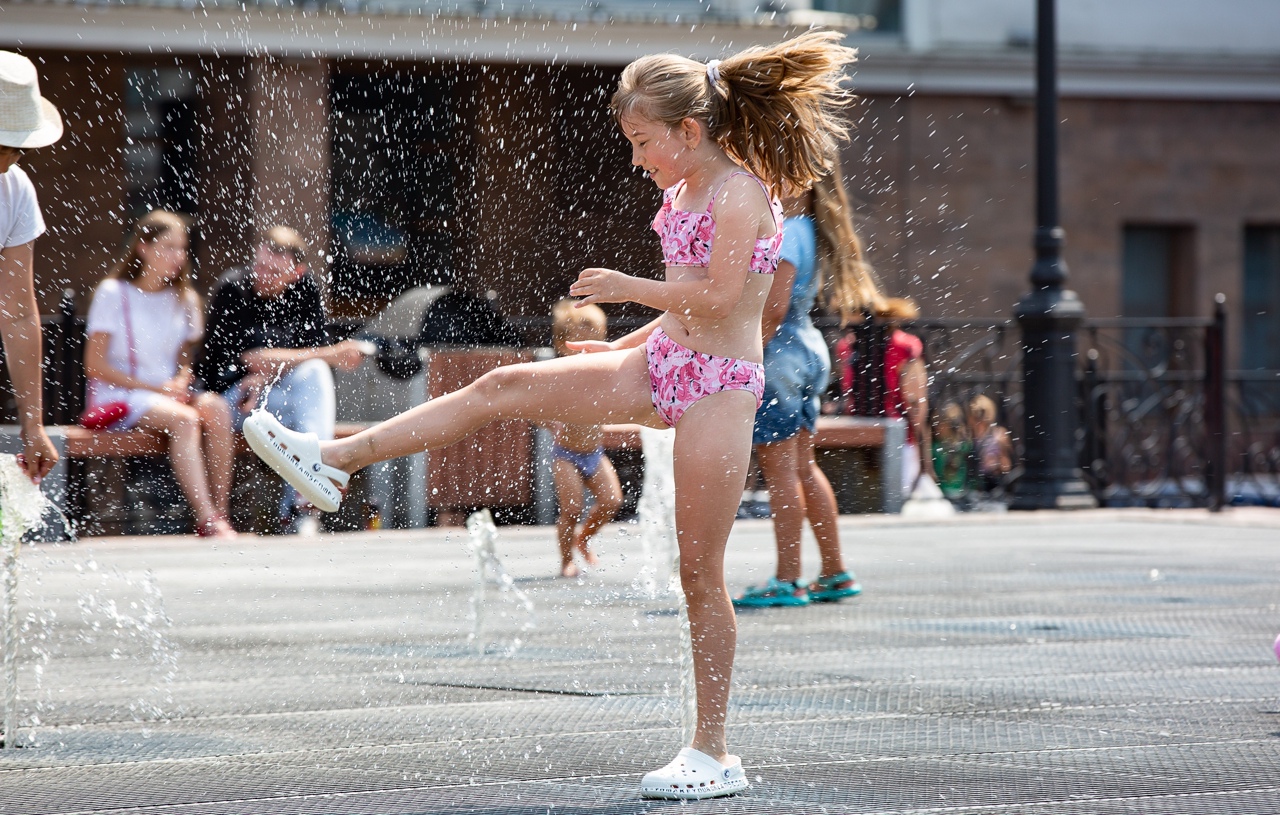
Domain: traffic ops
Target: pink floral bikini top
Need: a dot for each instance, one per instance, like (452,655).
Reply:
(687,236)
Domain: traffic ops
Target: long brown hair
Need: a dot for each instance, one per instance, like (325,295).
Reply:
(848,280)
(150,228)
(776,110)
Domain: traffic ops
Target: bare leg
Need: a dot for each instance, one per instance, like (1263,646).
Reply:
(182,425)
(582,389)
(569,489)
(607,491)
(219,449)
(778,463)
(712,455)
(820,506)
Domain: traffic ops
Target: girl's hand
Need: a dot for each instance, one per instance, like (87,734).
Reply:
(600,286)
(590,346)
(38,453)
(178,389)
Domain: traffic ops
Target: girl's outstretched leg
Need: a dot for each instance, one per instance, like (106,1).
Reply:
(712,455)
(612,386)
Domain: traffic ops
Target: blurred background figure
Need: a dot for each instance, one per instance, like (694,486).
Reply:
(268,346)
(579,464)
(952,451)
(992,447)
(27,121)
(819,244)
(144,324)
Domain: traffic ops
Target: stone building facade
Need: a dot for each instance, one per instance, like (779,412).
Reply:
(513,177)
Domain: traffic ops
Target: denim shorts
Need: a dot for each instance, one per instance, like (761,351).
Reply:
(796,372)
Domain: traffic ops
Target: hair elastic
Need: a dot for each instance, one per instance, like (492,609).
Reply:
(713,72)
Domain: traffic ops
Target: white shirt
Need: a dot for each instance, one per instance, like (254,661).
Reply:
(20,220)
(160,323)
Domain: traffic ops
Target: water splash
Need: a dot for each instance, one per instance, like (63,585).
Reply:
(656,514)
(657,511)
(22,507)
(121,618)
(483,535)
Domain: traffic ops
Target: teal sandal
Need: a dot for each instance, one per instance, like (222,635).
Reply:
(834,588)
(773,594)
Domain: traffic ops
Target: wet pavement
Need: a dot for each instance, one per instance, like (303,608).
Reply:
(1104,662)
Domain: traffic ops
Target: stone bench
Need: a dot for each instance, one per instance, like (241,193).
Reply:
(76,444)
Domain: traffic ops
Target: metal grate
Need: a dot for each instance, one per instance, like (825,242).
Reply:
(1047,664)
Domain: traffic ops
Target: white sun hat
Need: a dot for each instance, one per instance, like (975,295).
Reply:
(27,119)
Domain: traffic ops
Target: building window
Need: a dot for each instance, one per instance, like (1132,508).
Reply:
(1158,264)
(1261,329)
(394,171)
(1157,281)
(873,15)
(161,140)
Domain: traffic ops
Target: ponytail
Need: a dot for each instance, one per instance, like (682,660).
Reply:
(849,280)
(776,110)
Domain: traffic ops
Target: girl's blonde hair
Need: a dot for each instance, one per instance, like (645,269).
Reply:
(776,110)
(150,228)
(849,280)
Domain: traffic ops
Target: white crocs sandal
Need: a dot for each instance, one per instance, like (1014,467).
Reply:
(296,458)
(694,775)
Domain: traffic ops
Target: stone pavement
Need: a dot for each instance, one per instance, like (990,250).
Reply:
(1100,662)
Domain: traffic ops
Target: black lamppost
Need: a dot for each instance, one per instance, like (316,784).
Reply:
(1049,315)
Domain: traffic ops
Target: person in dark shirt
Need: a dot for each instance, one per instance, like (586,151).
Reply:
(266,346)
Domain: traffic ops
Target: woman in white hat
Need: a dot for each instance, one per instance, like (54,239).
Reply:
(27,121)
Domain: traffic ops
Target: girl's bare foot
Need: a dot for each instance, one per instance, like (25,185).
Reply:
(590,557)
(216,528)
(569,569)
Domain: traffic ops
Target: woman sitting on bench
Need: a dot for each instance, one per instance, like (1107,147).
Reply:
(143,326)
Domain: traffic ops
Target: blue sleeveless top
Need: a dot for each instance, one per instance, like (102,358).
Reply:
(797,364)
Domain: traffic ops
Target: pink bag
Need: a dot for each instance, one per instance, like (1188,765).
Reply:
(100,417)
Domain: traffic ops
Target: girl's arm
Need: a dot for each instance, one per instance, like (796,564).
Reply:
(22,351)
(778,301)
(914,383)
(713,296)
(632,340)
(97,367)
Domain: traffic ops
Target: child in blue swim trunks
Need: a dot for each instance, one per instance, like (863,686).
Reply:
(579,464)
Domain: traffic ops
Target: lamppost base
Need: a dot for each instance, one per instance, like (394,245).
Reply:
(1071,493)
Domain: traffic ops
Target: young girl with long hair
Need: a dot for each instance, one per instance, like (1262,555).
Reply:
(723,140)
(143,326)
(821,251)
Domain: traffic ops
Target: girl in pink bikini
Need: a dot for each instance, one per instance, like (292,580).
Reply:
(724,140)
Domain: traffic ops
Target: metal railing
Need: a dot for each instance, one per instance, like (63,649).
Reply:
(1165,422)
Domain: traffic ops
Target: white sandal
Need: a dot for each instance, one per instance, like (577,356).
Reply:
(695,775)
(296,458)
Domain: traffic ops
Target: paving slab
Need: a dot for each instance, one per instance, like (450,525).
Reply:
(1093,662)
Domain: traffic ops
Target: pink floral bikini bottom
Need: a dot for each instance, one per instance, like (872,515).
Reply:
(678,377)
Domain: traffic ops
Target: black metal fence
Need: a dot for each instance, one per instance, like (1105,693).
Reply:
(1165,422)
